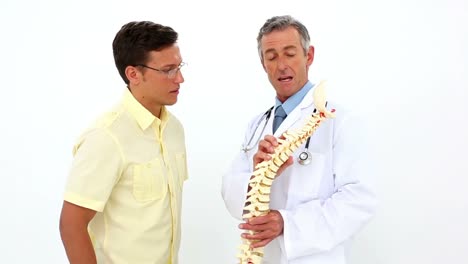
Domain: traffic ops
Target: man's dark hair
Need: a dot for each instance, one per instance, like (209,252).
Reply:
(135,40)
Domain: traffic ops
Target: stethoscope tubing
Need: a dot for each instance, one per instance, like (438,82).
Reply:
(304,157)
(266,116)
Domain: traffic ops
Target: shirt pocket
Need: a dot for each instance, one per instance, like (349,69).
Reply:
(181,164)
(149,182)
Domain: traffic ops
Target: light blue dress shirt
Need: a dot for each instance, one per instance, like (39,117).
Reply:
(295,99)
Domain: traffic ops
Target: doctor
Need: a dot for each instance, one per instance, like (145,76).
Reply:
(317,205)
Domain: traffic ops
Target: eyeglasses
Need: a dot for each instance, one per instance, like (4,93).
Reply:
(171,74)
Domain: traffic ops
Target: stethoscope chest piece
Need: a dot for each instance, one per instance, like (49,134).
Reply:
(304,158)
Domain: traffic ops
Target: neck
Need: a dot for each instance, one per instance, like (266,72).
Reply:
(153,108)
(156,111)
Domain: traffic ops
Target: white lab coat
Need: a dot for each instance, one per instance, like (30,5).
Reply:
(323,204)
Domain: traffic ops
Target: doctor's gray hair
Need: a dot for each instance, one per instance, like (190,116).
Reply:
(278,23)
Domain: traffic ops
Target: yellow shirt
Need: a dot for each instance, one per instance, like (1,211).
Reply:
(130,167)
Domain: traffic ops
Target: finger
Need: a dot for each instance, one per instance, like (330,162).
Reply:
(264,232)
(273,218)
(271,139)
(289,162)
(261,243)
(259,157)
(267,234)
(266,146)
(257,228)
(259,220)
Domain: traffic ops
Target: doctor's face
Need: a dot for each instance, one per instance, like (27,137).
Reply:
(285,62)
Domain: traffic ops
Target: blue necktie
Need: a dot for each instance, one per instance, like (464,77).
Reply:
(280,115)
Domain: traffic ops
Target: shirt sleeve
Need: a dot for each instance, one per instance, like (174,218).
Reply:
(320,225)
(96,168)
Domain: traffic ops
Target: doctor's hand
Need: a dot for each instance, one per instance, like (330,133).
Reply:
(266,147)
(266,228)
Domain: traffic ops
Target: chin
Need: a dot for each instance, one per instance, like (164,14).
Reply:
(171,102)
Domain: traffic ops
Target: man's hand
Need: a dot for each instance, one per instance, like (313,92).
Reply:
(266,147)
(266,228)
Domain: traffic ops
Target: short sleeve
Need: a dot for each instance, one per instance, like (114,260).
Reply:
(96,168)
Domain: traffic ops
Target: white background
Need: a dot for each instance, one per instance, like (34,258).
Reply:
(402,63)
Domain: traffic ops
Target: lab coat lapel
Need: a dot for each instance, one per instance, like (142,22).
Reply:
(269,127)
(296,115)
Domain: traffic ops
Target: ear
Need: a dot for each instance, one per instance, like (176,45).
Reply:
(133,75)
(310,55)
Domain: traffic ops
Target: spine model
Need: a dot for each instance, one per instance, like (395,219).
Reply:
(258,198)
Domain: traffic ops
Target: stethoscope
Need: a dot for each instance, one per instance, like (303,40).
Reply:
(304,158)
(266,116)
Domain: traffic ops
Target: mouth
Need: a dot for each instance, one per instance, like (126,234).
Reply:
(285,78)
(176,91)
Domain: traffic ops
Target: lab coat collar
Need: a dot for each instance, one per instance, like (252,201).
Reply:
(297,113)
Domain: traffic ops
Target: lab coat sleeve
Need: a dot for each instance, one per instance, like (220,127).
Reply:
(235,181)
(234,186)
(320,225)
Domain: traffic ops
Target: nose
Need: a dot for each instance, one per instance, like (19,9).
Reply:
(179,78)
(282,64)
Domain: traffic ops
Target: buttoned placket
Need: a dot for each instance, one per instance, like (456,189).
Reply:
(159,133)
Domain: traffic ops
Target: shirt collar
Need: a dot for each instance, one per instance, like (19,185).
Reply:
(143,117)
(293,101)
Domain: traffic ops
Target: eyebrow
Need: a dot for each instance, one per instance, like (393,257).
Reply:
(284,49)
